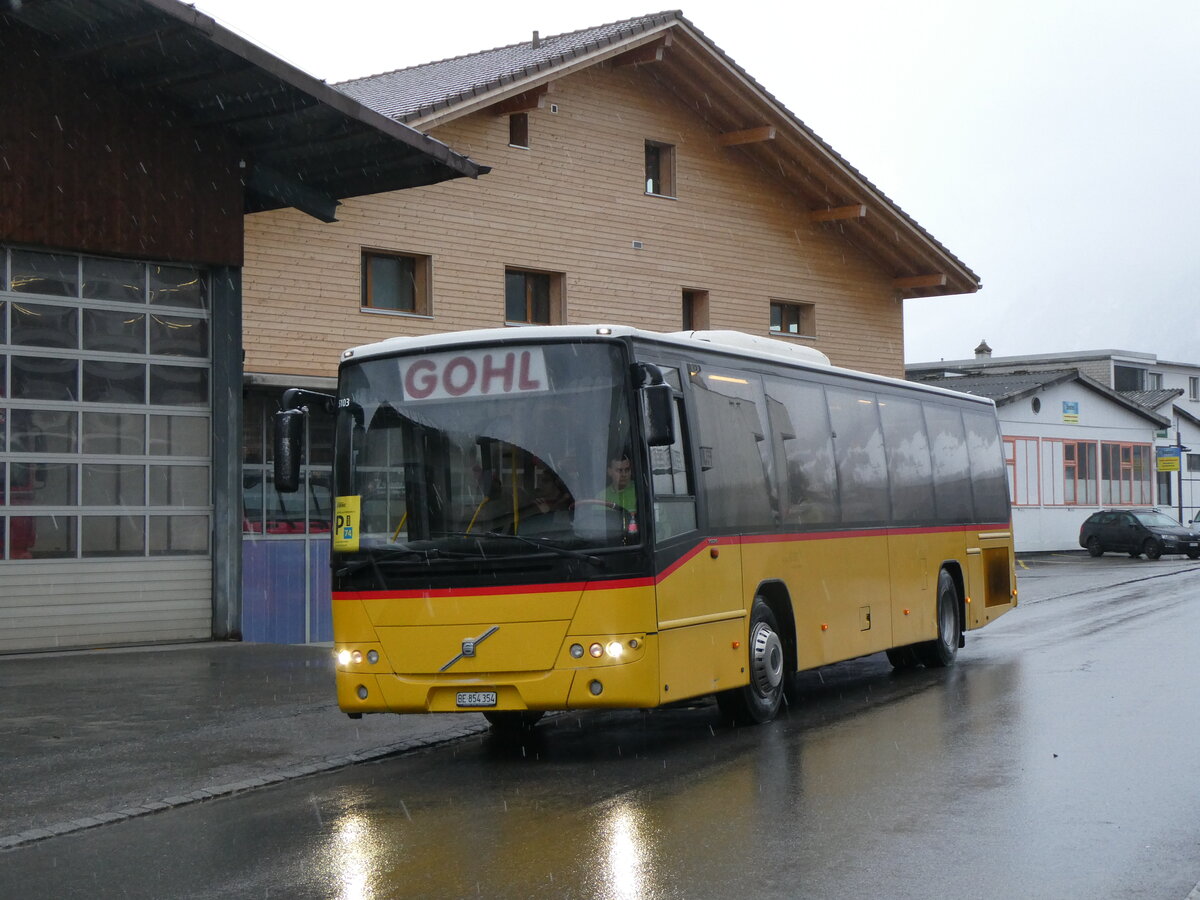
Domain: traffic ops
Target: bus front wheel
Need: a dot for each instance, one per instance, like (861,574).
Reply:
(758,702)
(942,651)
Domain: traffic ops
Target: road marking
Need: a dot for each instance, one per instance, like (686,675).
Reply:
(1195,894)
(1021,563)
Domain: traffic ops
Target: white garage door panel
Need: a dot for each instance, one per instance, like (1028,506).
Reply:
(45,606)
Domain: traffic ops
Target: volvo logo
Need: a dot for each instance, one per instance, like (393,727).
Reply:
(469,645)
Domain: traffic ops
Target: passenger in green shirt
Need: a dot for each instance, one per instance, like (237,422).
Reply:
(620,490)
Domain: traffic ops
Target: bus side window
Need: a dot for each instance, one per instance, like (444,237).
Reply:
(671,479)
(988,478)
(908,459)
(858,453)
(804,445)
(736,461)
(951,466)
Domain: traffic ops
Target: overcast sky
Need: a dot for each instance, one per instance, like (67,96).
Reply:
(1053,146)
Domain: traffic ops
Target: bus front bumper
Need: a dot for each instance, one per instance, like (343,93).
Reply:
(626,685)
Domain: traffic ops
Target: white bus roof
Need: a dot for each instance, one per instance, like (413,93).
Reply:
(737,343)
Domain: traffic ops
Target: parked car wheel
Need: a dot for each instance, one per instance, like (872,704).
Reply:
(1093,546)
(1152,548)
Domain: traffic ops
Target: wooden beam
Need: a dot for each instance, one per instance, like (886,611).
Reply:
(747,136)
(647,53)
(920,281)
(857,211)
(533,98)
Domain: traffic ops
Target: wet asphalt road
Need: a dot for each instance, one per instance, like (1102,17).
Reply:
(1058,759)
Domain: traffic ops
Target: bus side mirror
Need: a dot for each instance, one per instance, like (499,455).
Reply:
(658,405)
(289,433)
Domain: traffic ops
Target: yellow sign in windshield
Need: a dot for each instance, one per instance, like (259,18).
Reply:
(345,523)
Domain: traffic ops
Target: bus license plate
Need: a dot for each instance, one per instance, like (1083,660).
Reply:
(476,698)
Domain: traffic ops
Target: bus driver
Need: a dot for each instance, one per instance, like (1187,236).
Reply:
(620,491)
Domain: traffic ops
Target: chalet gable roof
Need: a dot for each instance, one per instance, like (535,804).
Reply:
(419,92)
(747,118)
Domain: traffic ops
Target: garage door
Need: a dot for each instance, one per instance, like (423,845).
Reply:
(105,451)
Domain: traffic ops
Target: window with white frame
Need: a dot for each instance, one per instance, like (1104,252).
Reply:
(1024,471)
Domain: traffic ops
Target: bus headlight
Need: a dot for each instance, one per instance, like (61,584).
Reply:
(614,649)
(596,650)
(577,651)
(343,657)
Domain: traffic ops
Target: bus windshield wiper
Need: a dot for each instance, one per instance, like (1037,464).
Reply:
(396,554)
(542,544)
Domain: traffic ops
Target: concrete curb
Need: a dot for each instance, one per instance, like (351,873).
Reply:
(329,764)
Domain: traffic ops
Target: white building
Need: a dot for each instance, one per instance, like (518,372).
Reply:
(1072,446)
(1170,389)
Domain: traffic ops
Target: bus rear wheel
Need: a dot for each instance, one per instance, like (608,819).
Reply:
(943,650)
(758,701)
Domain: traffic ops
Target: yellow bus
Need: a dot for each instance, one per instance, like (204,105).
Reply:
(569,517)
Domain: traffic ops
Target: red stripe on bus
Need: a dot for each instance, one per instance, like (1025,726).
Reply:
(510,590)
(624,583)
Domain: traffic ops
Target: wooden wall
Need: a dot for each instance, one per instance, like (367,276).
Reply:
(573,203)
(85,167)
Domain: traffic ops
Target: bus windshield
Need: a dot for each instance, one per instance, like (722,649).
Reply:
(492,452)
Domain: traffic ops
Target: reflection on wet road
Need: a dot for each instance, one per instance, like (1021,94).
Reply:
(1057,760)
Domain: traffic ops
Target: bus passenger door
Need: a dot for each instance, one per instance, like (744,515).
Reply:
(701,614)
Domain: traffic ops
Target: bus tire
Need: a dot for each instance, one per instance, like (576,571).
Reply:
(758,702)
(509,722)
(942,651)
